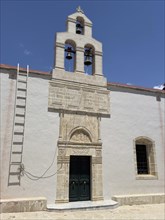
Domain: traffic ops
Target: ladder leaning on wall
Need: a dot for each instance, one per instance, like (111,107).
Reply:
(15,165)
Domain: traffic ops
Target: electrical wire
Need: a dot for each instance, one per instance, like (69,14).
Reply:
(24,171)
(33,177)
(28,174)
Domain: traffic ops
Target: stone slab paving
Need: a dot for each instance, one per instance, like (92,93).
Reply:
(135,212)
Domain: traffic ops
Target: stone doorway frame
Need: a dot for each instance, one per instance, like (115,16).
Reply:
(65,150)
(88,167)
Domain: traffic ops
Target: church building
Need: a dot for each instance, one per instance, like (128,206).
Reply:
(71,136)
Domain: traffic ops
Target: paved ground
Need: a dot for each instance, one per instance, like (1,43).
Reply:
(138,212)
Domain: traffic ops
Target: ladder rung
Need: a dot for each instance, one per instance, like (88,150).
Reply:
(18,133)
(17,143)
(19,97)
(16,152)
(20,115)
(14,184)
(22,81)
(15,163)
(19,124)
(20,106)
(14,173)
(20,89)
(22,74)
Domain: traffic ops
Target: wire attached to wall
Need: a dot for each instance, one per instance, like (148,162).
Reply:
(29,175)
(33,177)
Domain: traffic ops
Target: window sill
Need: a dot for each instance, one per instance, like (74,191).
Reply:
(146,177)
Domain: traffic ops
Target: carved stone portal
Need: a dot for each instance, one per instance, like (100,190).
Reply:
(81,101)
(79,136)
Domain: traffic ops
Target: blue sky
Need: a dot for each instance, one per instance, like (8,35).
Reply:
(132,33)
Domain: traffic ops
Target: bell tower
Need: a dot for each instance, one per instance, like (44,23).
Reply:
(78,91)
(87,50)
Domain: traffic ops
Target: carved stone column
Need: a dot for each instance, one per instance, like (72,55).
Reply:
(59,56)
(97,184)
(99,137)
(98,63)
(62,194)
(80,60)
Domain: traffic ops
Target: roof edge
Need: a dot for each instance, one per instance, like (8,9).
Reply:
(9,67)
(140,88)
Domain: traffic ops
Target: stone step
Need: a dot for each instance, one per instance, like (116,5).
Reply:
(86,205)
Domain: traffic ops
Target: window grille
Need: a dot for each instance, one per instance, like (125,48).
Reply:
(142,159)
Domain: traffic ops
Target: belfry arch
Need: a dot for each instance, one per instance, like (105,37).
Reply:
(70,56)
(89,59)
(80,25)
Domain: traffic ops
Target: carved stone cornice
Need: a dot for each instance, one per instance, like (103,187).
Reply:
(98,53)
(60,45)
(80,49)
(71,20)
(88,24)
(73,144)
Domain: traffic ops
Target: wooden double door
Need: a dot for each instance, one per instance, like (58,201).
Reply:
(79,178)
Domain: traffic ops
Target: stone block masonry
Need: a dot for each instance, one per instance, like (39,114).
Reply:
(139,199)
(23,205)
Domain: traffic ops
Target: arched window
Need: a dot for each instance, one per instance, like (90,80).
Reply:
(80,25)
(144,149)
(89,61)
(70,56)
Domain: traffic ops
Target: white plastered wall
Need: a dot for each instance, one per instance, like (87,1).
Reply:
(133,114)
(40,143)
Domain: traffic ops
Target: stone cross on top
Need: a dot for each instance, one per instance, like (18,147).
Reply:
(79,10)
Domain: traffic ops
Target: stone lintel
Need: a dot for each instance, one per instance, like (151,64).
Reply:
(85,112)
(87,145)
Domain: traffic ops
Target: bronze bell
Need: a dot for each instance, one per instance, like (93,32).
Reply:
(88,56)
(69,53)
(68,56)
(78,29)
(87,61)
